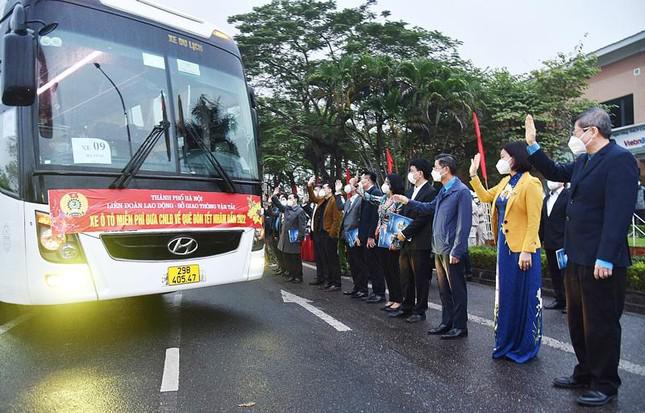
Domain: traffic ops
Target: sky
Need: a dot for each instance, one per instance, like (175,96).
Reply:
(516,34)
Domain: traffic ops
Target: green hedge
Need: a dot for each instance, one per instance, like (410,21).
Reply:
(485,258)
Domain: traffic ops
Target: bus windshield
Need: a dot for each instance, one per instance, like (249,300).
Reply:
(98,99)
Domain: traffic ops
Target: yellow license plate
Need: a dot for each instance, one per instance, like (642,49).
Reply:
(183,274)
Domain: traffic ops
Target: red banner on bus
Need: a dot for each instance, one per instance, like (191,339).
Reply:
(98,210)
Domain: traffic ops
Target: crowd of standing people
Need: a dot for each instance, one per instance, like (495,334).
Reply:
(581,223)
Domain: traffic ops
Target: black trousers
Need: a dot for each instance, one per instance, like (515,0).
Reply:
(321,274)
(594,308)
(556,276)
(390,261)
(452,290)
(356,266)
(416,272)
(330,259)
(363,261)
(294,265)
(375,272)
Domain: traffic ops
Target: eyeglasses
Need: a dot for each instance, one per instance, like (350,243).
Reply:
(584,130)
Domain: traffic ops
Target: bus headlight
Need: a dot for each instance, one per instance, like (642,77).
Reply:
(48,240)
(60,249)
(258,239)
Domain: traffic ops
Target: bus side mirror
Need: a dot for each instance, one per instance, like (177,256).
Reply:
(18,62)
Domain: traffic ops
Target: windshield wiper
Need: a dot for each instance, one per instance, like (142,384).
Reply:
(136,161)
(125,111)
(229,185)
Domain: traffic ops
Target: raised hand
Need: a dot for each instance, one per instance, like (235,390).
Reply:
(529,130)
(401,199)
(311,181)
(339,185)
(276,191)
(474,164)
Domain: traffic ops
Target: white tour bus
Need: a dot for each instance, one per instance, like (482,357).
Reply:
(130,96)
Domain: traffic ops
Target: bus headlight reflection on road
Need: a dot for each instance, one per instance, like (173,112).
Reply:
(69,281)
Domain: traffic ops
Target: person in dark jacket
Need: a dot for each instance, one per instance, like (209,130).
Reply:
(415,260)
(451,224)
(552,237)
(369,267)
(351,209)
(604,184)
(317,206)
(291,235)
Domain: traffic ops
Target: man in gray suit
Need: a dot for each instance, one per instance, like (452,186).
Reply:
(351,216)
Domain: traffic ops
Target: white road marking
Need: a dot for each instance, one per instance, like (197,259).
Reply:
(313,267)
(170,381)
(625,365)
(287,297)
(15,322)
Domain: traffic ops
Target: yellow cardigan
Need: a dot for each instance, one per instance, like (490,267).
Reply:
(523,212)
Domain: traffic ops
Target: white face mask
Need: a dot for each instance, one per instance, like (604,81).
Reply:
(553,186)
(411,178)
(348,188)
(436,176)
(385,188)
(503,167)
(577,145)
(283,202)
(291,202)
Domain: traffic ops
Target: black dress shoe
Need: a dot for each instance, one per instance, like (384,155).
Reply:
(332,288)
(555,305)
(296,280)
(569,382)
(595,398)
(374,299)
(350,292)
(415,318)
(399,314)
(455,333)
(317,282)
(442,329)
(391,310)
(359,294)
(367,296)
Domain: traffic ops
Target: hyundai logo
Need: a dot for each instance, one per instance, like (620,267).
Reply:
(182,245)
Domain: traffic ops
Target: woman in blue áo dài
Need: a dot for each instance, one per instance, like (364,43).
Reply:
(515,216)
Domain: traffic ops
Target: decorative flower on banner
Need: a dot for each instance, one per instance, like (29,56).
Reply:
(255,211)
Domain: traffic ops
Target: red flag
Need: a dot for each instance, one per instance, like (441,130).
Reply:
(348,176)
(389,159)
(480,147)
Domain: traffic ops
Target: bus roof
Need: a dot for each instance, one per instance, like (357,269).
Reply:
(151,12)
(166,15)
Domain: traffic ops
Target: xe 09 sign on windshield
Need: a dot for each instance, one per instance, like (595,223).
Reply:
(99,210)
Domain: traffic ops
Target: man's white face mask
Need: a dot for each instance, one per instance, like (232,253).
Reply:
(577,145)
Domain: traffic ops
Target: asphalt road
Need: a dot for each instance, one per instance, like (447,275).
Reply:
(242,343)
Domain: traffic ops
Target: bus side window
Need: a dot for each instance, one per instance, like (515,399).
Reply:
(8,149)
